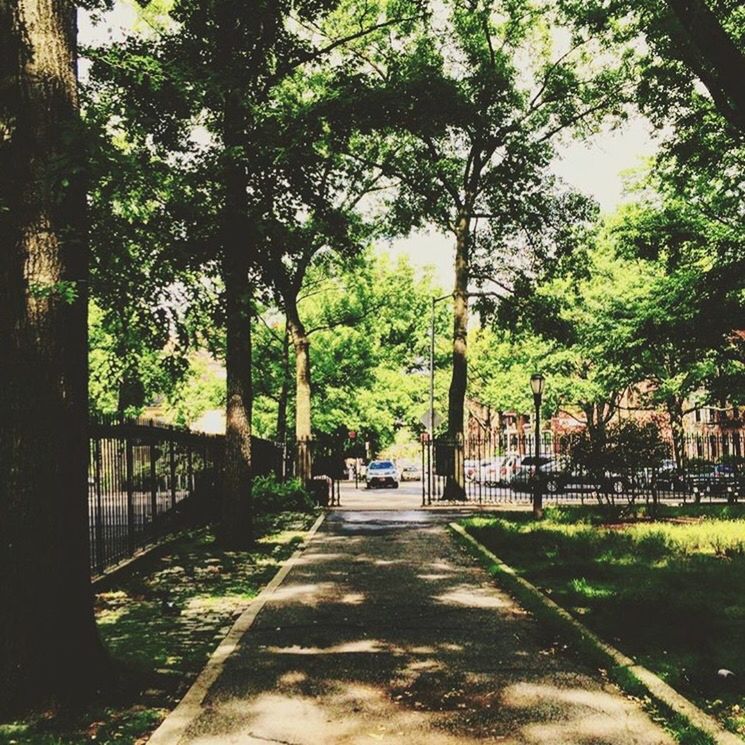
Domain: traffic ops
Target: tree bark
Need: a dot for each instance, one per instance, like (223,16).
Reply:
(49,646)
(236,528)
(284,391)
(716,59)
(455,486)
(674,407)
(303,422)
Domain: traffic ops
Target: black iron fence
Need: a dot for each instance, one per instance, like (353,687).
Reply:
(146,480)
(709,467)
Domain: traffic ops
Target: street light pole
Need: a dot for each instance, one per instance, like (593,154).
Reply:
(536,384)
(432,371)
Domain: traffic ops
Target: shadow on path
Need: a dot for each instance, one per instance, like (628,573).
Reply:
(386,632)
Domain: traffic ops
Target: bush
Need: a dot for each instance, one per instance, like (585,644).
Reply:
(271,497)
(625,445)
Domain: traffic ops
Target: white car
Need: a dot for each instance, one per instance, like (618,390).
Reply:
(411,472)
(381,473)
(501,470)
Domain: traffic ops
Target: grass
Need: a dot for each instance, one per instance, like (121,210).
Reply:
(669,592)
(160,620)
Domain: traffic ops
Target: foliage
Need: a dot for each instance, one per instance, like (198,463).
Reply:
(665,333)
(368,323)
(270,497)
(200,390)
(623,445)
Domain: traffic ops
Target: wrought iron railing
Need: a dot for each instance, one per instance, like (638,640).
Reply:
(503,469)
(147,479)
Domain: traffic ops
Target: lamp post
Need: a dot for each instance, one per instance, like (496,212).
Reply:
(536,384)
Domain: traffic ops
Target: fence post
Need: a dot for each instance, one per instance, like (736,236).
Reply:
(99,506)
(190,470)
(153,489)
(172,463)
(423,445)
(130,495)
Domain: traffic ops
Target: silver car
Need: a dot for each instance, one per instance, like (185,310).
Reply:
(381,473)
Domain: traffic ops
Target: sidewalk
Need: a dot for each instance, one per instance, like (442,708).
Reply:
(386,632)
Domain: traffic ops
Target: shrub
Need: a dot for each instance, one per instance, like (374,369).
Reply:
(271,497)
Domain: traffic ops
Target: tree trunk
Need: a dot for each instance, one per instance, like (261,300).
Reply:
(455,487)
(675,412)
(716,58)
(284,391)
(236,529)
(303,425)
(49,647)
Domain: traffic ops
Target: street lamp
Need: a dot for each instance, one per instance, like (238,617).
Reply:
(536,384)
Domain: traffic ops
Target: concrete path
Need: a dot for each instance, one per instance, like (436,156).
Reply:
(386,632)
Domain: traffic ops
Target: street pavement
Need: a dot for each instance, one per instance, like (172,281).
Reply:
(386,631)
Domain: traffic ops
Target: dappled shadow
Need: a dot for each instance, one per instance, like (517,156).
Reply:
(391,634)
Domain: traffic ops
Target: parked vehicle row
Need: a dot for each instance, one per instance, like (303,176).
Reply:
(557,474)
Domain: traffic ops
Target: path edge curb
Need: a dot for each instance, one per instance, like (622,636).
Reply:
(655,687)
(172,728)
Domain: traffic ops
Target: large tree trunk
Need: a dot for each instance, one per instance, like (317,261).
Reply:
(236,528)
(49,647)
(284,391)
(455,486)
(674,407)
(303,425)
(715,58)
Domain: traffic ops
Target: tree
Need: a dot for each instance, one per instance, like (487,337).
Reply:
(681,330)
(472,116)
(219,66)
(369,322)
(313,228)
(687,41)
(144,294)
(49,647)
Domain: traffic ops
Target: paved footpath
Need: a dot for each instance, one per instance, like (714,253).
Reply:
(386,632)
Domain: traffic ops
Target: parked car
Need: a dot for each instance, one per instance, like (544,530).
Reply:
(381,473)
(475,469)
(411,472)
(493,471)
(557,475)
(669,477)
(716,479)
(500,470)
(523,478)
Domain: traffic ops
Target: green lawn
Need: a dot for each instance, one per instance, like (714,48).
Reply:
(670,592)
(161,620)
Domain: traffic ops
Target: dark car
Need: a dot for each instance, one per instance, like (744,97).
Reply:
(557,475)
(716,479)
(550,470)
(669,478)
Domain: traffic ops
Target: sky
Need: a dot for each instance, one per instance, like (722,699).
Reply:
(595,166)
